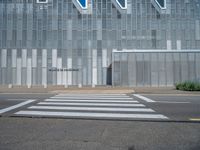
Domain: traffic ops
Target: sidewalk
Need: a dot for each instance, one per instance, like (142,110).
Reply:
(163,90)
(96,90)
(61,89)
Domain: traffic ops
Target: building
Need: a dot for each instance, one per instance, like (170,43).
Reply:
(99,42)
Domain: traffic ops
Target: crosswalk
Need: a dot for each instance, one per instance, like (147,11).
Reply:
(91,106)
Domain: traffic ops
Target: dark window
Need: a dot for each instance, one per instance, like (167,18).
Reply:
(82,2)
(161,3)
(122,3)
(42,1)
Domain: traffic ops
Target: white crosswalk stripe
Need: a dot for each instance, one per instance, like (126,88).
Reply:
(92,115)
(90,106)
(99,101)
(93,109)
(108,98)
(92,95)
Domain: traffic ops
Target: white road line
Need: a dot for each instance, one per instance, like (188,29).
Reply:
(100,101)
(15,106)
(91,95)
(194,119)
(95,98)
(172,102)
(144,98)
(92,104)
(93,109)
(16,99)
(95,95)
(92,115)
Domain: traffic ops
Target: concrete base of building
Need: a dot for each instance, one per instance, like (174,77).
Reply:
(91,90)
(66,89)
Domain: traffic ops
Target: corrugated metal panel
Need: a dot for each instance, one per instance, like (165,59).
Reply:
(29,71)
(34,58)
(59,73)
(4,58)
(44,58)
(94,67)
(14,58)
(24,57)
(161,69)
(19,71)
(69,73)
(54,58)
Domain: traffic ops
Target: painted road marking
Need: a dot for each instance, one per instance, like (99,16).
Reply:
(93,109)
(16,99)
(194,119)
(92,115)
(92,94)
(144,98)
(15,106)
(100,96)
(95,98)
(99,101)
(172,102)
(92,104)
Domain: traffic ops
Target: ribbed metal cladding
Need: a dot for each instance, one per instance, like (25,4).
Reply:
(155,69)
(37,38)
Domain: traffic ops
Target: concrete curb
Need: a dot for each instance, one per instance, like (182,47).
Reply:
(61,89)
(90,90)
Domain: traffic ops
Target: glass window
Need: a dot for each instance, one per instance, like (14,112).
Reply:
(122,3)
(161,3)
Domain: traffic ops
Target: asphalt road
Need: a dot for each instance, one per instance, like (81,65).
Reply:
(181,131)
(175,107)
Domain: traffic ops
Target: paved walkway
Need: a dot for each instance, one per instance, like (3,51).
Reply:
(162,90)
(100,90)
(61,89)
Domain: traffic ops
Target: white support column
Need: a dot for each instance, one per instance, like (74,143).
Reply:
(54,65)
(169,44)
(54,58)
(64,78)
(104,65)
(69,73)
(14,66)
(14,58)
(34,67)
(59,73)
(178,43)
(34,58)
(94,68)
(24,58)
(44,68)
(79,73)
(4,58)
(104,58)
(19,71)
(29,72)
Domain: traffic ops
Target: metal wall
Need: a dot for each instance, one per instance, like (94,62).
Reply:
(36,37)
(164,68)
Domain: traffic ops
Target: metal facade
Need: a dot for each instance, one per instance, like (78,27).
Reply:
(34,38)
(156,68)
